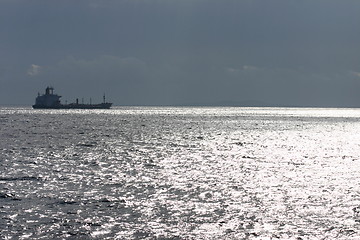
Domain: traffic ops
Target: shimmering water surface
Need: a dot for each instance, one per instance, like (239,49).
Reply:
(180,173)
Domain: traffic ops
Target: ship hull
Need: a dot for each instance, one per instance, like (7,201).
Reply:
(74,106)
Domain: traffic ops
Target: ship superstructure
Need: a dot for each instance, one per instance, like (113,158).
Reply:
(49,100)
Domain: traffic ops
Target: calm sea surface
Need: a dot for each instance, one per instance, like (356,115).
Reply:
(180,173)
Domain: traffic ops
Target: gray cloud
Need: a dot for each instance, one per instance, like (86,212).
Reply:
(191,51)
(105,67)
(356,74)
(34,70)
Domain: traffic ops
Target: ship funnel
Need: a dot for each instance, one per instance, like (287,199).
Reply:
(49,90)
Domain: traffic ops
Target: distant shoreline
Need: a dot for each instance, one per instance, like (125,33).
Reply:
(200,106)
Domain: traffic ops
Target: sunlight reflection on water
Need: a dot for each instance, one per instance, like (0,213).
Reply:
(185,173)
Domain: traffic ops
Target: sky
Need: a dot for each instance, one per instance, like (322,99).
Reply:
(182,52)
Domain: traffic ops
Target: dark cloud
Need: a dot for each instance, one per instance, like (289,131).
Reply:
(161,52)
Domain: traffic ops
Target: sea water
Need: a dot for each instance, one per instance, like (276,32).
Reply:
(180,173)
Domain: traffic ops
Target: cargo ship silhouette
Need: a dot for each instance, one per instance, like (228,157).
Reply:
(49,100)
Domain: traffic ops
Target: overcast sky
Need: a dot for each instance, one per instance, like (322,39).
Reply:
(171,52)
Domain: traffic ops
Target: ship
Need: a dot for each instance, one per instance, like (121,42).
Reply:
(50,100)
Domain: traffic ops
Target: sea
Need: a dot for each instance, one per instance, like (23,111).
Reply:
(180,173)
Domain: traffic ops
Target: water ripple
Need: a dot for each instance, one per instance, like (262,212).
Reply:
(180,173)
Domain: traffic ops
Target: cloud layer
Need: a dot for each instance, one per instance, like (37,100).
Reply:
(161,52)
